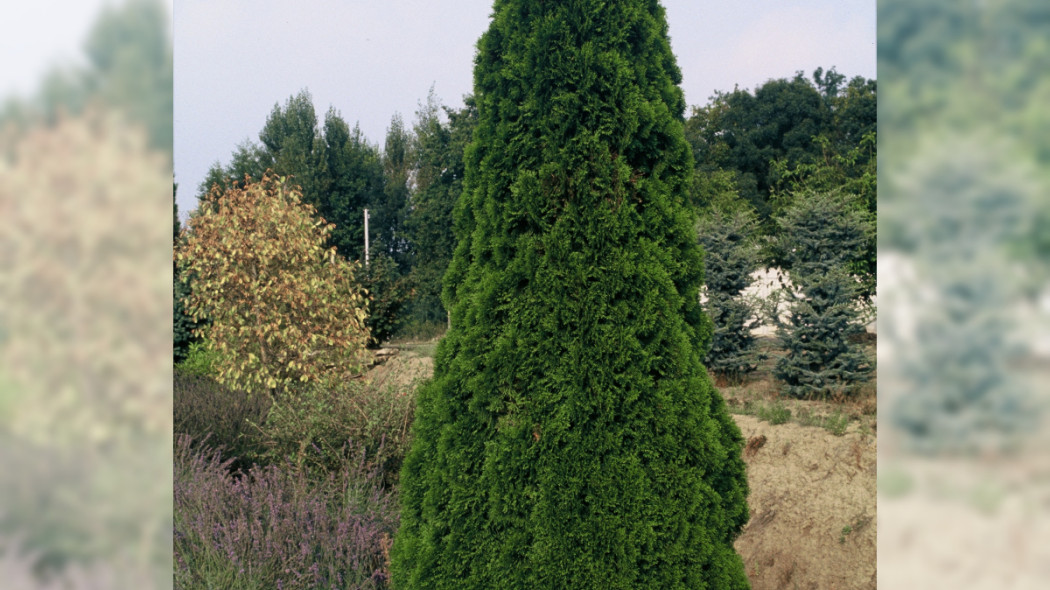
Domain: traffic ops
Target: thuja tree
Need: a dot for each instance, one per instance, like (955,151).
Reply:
(730,258)
(282,307)
(570,437)
(819,235)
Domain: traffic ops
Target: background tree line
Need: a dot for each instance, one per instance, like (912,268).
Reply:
(759,150)
(753,151)
(409,185)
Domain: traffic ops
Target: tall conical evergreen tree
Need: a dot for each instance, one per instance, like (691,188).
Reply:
(570,437)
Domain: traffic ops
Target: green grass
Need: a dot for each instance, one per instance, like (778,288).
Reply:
(774,413)
(836,423)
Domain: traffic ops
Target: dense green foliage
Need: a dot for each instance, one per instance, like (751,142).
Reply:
(819,234)
(387,212)
(789,137)
(571,437)
(439,149)
(730,258)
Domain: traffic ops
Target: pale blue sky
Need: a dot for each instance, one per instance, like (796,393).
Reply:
(235,59)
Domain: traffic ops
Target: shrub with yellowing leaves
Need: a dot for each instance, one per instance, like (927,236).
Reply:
(282,307)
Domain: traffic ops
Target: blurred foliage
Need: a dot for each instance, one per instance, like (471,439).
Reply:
(130,69)
(86,517)
(970,206)
(963,180)
(85,280)
(80,352)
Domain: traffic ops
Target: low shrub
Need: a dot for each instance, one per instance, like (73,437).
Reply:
(277,526)
(201,360)
(218,417)
(311,425)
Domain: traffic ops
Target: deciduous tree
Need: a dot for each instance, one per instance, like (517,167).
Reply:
(282,307)
(439,148)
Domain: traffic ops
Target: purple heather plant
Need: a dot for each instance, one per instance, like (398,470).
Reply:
(276,527)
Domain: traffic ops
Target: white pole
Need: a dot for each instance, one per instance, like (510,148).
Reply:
(366,237)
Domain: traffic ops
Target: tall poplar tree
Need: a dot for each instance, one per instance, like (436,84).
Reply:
(439,170)
(571,437)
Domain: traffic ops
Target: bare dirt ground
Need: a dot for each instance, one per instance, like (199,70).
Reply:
(812,480)
(812,473)
(813,518)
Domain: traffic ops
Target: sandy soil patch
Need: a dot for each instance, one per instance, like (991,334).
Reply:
(812,500)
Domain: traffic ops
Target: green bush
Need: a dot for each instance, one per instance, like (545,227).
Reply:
(201,360)
(314,426)
(571,437)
